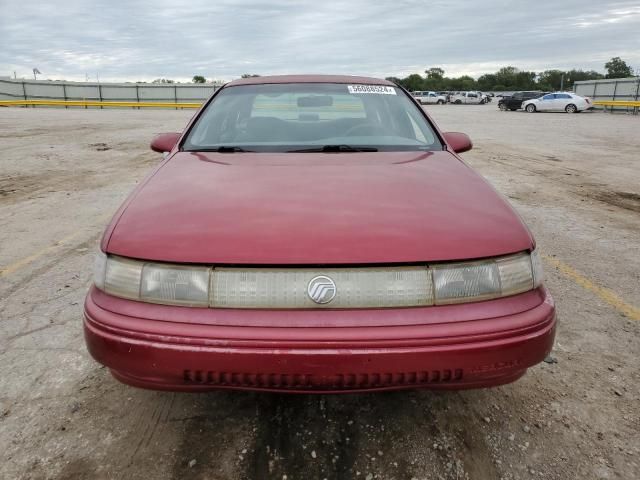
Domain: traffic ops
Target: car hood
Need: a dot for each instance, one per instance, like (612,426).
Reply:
(308,208)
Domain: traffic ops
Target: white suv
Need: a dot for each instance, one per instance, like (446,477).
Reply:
(470,98)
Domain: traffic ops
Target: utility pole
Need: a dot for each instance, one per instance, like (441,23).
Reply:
(562,83)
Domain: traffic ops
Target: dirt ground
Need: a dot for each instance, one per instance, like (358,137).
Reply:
(574,178)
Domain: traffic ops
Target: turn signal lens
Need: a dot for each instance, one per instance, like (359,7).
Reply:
(536,266)
(99,269)
(123,277)
(515,275)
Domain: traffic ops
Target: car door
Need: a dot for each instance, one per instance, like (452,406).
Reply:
(547,103)
(562,100)
(515,101)
(472,97)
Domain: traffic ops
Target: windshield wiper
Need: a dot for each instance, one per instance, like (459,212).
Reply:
(221,149)
(334,148)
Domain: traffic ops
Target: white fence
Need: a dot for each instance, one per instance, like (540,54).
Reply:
(623,89)
(123,92)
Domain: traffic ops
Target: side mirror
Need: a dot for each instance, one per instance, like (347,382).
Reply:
(164,142)
(459,142)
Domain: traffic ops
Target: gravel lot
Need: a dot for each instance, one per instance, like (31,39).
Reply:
(574,178)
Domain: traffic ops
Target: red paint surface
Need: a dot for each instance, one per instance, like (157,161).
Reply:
(155,354)
(350,208)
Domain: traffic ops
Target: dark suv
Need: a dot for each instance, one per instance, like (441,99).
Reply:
(514,102)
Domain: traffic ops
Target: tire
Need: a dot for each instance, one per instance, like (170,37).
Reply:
(531,108)
(440,102)
(502,107)
(458,102)
(571,108)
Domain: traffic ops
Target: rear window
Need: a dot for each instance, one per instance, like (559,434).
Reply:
(287,117)
(292,107)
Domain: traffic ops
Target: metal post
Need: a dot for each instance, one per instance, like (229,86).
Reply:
(100,94)
(636,109)
(175,95)
(595,87)
(24,92)
(64,93)
(137,95)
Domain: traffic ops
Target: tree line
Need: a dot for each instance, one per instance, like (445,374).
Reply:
(505,79)
(511,78)
(201,79)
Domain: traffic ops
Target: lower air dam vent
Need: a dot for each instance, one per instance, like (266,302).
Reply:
(344,381)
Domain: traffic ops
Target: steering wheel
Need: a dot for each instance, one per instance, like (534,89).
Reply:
(365,129)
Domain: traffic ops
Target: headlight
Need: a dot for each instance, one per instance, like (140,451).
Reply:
(278,288)
(175,284)
(473,281)
(152,282)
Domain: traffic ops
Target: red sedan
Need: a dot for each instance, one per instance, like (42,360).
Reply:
(316,234)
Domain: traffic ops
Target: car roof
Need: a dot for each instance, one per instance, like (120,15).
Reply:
(310,79)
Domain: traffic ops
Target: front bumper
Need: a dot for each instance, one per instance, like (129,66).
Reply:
(443,353)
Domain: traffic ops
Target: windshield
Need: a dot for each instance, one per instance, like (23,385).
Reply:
(311,116)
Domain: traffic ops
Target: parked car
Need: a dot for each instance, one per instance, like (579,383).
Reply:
(468,98)
(558,102)
(514,102)
(429,98)
(318,234)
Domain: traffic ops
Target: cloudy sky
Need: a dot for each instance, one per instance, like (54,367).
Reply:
(134,40)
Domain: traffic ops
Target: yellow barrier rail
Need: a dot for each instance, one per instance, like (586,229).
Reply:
(96,103)
(617,103)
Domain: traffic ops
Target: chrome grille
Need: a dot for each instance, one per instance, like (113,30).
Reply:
(368,287)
